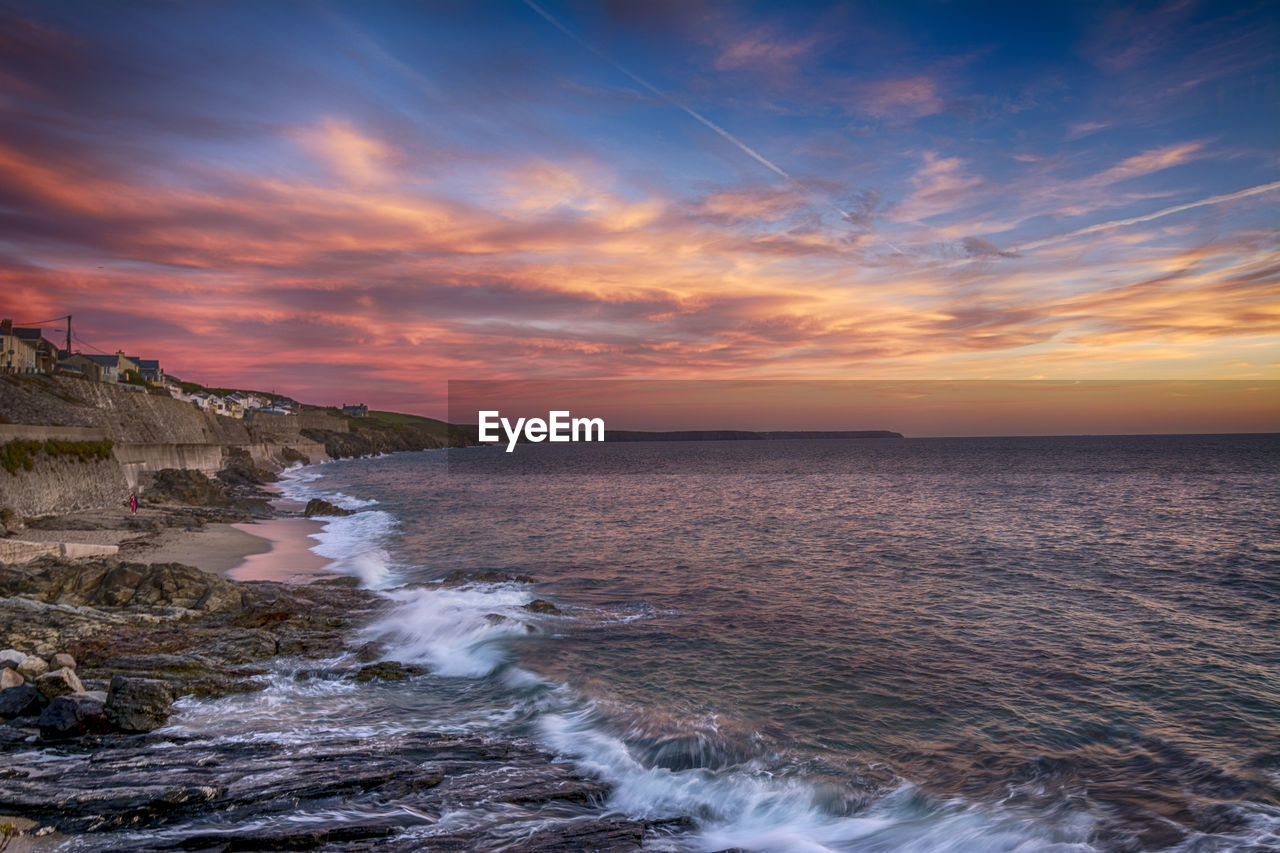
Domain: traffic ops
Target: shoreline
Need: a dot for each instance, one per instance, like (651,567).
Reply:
(211,636)
(283,555)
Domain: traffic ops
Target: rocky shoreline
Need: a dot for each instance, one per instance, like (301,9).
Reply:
(143,633)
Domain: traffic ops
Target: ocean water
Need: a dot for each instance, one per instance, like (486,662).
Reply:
(1023,644)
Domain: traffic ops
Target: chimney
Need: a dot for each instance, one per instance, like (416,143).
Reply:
(6,326)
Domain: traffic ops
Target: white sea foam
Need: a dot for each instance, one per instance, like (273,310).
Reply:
(753,809)
(453,630)
(355,544)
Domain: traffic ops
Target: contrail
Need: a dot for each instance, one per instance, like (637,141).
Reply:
(694,114)
(1147,217)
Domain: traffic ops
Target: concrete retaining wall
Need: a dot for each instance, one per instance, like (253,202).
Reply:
(150,432)
(136,458)
(266,426)
(21,551)
(26,432)
(63,484)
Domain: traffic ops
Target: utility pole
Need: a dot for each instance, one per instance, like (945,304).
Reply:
(68,336)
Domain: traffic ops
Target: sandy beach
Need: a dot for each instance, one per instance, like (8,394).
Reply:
(274,549)
(280,551)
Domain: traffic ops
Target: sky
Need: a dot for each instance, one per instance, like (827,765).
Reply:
(361,201)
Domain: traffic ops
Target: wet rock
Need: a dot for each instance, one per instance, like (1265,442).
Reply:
(62,659)
(217,794)
(11,678)
(370,652)
(138,704)
(32,667)
(499,619)
(21,701)
(111,583)
(346,581)
(60,682)
(462,578)
(317,506)
(185,487)
(389,670)
(10,658)
(72,716)
(543,607)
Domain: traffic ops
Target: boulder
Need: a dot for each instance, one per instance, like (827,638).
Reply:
(62,659)
(316,506)
(463,578)
(33,667)
(10,658)
(99,696)
(544,607)
(388,670)
(138,704)
(72,716)
(60,682)
(112,583)
(23,701)
(10,519)
(11,678)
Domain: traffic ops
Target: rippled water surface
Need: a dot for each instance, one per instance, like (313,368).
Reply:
(969,644)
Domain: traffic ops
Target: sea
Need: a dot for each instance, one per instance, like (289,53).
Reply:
(972,644)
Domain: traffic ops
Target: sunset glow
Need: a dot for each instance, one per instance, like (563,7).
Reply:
(343,201)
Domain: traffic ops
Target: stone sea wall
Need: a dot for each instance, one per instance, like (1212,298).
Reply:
(63,484)
(153,432)
(149,433)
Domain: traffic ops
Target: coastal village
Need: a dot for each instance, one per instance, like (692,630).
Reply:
(26,350)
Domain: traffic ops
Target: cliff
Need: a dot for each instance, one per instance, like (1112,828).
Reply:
(150,432)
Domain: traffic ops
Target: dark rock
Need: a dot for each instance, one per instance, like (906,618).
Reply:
(499,619)
(345,581)
(370,652)
(369,437)
(217,794)
(239,469)
(291,455)
(184,486)
(23,701)
(317,506)
(462,578)
(60,682)
(138,704)
(544,607)
(72,716)
(389,670)
(112,583)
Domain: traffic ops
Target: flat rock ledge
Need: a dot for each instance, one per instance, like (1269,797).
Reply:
(139,633)
(390,794)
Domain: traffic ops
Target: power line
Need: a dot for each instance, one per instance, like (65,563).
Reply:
(42,322)
(81,340)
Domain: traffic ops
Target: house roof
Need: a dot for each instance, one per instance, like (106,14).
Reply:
(104,360)
(31,335)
